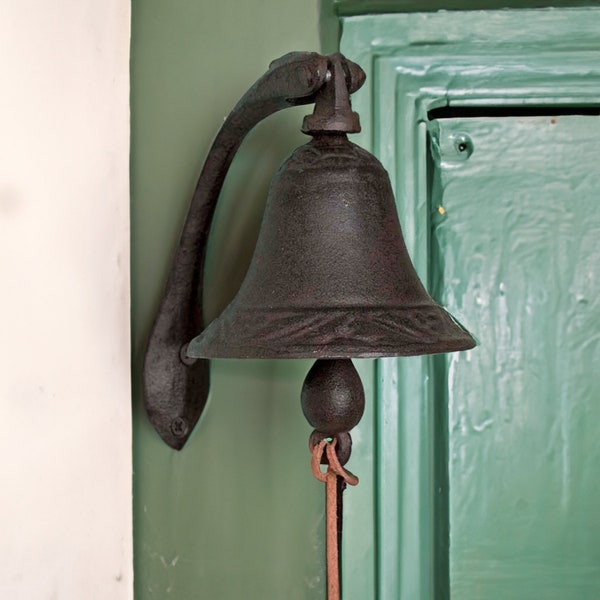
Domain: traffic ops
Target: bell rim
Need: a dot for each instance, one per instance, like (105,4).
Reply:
(266,353)
(348,332)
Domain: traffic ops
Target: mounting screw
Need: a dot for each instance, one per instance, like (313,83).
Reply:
(179,427)
(185,359)
(463,146)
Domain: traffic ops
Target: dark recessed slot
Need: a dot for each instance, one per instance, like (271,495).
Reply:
(466,112)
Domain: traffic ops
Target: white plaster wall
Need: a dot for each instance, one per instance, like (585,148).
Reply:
(65,431)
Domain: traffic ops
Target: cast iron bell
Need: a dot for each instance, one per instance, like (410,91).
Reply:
(331,276)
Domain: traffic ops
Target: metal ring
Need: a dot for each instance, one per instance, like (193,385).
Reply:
(343,446)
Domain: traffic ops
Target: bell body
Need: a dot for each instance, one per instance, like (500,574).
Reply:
(330,276)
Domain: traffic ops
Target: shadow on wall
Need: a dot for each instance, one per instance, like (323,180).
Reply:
(239,211)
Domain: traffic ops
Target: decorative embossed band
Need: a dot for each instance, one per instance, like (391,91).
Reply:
(358,332)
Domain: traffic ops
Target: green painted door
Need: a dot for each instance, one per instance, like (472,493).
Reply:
(485,463)
(516,250)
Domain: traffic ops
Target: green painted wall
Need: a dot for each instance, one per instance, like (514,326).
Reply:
(223,519)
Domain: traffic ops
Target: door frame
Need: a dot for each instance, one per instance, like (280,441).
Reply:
(416,62)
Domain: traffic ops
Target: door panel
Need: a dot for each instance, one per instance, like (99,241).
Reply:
(515,244)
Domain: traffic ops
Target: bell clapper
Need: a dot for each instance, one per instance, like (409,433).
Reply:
(333,401)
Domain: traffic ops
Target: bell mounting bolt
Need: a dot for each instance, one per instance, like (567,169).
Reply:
(333,112)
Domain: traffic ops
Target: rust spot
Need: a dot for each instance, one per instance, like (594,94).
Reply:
(553,121)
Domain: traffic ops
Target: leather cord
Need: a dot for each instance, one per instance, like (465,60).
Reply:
(332,501)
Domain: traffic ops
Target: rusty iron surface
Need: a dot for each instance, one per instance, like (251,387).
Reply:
(330,276)
(333,398)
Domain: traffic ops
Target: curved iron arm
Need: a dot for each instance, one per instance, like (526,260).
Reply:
(176,388)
